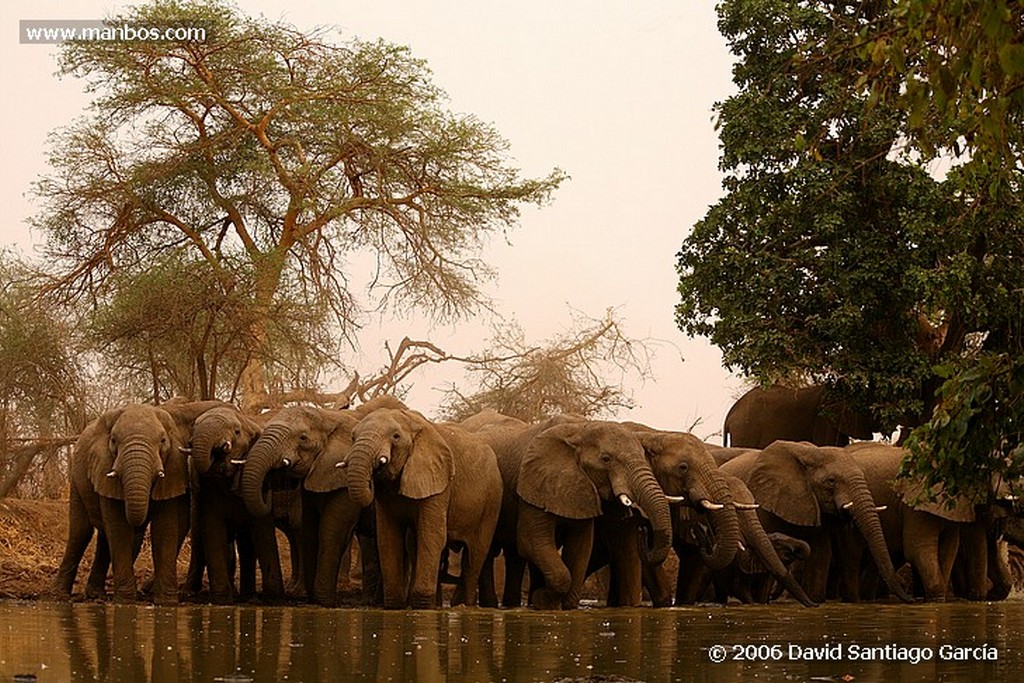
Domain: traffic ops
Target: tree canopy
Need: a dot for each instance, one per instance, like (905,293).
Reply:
(274,153)
(838,254)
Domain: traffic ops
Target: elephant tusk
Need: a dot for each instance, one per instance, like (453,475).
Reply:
(880,508)
(624,499)
(382,460)
(848,506)
(286,462)
(746,506)
(675,499)
(343,463)
(184,450)
(237,462)
(161,474)
(708,505)
(111,474)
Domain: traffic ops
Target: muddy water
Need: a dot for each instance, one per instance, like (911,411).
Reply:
(76,642)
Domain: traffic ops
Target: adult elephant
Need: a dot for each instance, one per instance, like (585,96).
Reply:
(126,472)
(436,482)
(807,492)
(290,446)
(688,476)
(221,440)
(766,414)
(559,477)
(933,536)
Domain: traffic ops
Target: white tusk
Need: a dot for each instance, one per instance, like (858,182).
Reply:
(343,463)
(675,499)
(624,499)
(708,505)
(185,451)
(848,506)
(237,462)
(879,508)
(111,474)
(746,506)
(286,462)
(382,460)
(161,474)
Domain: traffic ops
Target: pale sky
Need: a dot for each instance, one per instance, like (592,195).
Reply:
(617,94)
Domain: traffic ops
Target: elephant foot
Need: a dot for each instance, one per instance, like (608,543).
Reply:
(422,601)
(547,599)
(221,598)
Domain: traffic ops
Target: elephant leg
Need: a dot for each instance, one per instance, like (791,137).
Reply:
(96,584)
(579,543)
(119,540)
(488,594)
(659,584)
(973,553)
(80,531)
(816,566)
(369,561)
(693,576)
(310,542)
(431,539)
(335,531)
(264,537)
(849,550)
(537,543)
(392,553)
(921,544)
(165,541)
(1000,578)
(245,546)
(216,547)
(515,571)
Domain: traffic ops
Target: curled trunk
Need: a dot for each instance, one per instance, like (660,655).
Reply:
(866,519)
(758,541)
(207,436)
(264,456)
(654,505)
(362,460)
(724,522)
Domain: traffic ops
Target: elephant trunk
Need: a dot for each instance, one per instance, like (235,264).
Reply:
(367,451)
(724,522)
(137,478)
(264,456)
(757,540)
(208,435)
(866,518)
(654,505)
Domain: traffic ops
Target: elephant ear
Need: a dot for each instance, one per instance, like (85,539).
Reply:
(251,427)
(913,494)
(174,483)
(749,563)
(431,466)
(325,475)
(550,476)
(780,485)
(94,446)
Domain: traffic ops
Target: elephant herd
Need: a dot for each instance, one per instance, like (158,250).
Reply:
(557,501)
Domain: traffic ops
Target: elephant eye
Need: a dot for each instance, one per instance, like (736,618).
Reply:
(605,458)
(831,482)
(395,437)
(237,431)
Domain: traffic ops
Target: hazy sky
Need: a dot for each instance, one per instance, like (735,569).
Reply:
(617,94)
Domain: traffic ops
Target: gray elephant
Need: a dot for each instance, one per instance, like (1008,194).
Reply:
(436,482)
(291,446)
(688,476)
(809,492)
(763,415)
(559,477)
(221,439)
(126,472)
(932,536)
(750,580)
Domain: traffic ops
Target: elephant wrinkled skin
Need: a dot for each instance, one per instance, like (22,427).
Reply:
(764,415)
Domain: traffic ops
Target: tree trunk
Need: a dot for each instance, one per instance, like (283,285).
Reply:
(23,458)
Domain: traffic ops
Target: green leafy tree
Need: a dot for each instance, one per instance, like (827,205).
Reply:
(270,148)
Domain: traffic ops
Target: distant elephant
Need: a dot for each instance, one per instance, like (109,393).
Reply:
(561,475)
(437,482)
(763,415)
(688,476)
(750,580)
(931,536)
(127,471)
(221,439)
(809,492)
(291,445)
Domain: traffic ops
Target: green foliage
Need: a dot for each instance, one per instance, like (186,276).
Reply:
(836,255)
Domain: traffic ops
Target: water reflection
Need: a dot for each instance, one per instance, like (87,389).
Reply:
(72,642)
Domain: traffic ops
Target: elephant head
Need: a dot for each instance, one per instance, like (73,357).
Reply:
(569,468)
(290,444)
(133,454)
(800,483)
(684,468)
(398,448)
(330,470)
(221,438)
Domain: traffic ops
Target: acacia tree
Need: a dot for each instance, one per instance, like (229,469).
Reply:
(272,148)
(855,267)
